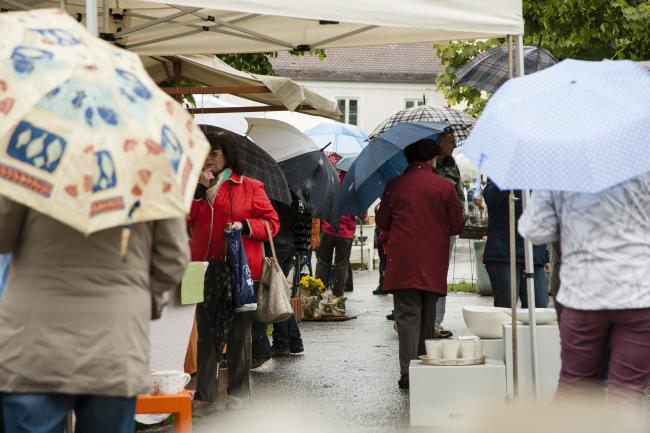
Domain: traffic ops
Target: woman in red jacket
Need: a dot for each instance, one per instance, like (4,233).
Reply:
(420,211)
(223,197)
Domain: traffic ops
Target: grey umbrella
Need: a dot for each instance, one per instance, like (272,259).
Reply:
(489,70)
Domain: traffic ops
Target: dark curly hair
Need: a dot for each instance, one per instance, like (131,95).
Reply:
(421,151)
(227,142)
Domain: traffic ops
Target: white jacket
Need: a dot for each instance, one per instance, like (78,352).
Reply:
(605,242)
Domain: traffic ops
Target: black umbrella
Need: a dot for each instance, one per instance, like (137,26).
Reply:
(309,173)
(314,180)
(489,70)
(256,163)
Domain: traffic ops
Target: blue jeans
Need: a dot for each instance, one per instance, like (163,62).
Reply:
(46,413)
(286,335)
(499,274)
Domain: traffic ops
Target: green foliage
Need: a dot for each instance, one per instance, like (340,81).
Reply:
(452,56)
(256,63)
(579,29)
(322,55)
(463,287)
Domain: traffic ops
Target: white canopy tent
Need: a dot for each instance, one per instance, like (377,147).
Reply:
(278,93)
(174,27)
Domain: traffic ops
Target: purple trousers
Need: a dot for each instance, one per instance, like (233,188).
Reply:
(586,337)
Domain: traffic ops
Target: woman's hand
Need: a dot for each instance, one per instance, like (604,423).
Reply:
(206,178)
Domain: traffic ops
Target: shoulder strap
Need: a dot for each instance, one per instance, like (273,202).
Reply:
(268,232)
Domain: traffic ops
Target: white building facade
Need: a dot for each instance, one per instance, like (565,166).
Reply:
(370,84)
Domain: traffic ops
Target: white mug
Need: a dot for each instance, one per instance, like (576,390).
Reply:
(450,349)
(468,349)
(169,382)
(434,349)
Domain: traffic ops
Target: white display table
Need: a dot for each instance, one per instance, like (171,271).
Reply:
(445,395)
(548,360)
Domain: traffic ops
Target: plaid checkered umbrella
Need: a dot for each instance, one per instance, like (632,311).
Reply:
(461,123)
(258,164)
(489,70)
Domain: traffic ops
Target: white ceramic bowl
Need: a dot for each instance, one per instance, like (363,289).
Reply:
(543,316)
(485,322)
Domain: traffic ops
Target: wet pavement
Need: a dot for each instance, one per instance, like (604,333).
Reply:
(346,381)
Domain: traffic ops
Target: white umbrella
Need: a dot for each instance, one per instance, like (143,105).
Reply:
(281,140)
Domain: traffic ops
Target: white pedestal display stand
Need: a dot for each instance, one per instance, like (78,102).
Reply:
(548,355)
(493,348)
(445,395)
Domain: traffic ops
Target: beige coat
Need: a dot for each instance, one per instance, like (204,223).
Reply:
(74,319)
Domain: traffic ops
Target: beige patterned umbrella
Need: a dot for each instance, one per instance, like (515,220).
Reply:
(86,137)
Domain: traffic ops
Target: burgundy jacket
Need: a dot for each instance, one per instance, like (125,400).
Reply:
(347,223)
(420,211)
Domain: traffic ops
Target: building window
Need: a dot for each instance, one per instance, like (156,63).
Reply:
(413,102)
(350,109)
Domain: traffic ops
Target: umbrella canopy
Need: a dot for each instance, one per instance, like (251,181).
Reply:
(86,136)
(258,164)
(460,122)
(345,163)
(310,175)
(577,126)
(489,70)
(169,27)
(344,138)
(380,162)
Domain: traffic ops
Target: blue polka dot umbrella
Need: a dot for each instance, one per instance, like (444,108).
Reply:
(577,126)
(86,136)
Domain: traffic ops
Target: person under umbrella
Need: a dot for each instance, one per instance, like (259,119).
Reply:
(420,211)
(496,256)
(446,167)
(605,283)
(223,197)
(336,244)
(257,164)
(288,242)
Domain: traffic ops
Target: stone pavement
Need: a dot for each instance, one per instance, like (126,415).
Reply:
(346,381)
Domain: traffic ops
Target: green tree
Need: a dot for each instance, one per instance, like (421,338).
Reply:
(579,29)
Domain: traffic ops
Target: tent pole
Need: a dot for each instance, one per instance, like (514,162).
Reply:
(513,265)
(91,16)
(528,251)
(106,17)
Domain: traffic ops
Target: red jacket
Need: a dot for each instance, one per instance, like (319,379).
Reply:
(420,211)
(347,223)
(250,203)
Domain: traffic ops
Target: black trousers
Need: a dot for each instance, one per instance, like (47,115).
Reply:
(333,247)
(239,357)
(415,313)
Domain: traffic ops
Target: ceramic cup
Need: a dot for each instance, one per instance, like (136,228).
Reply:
(468,349)
(169,382)
(450,349)
(434,348)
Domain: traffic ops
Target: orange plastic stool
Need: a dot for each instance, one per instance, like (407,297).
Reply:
(179,404)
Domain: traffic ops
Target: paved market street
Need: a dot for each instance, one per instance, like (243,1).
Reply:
(347,378)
